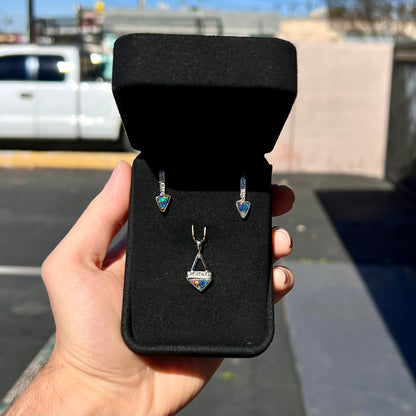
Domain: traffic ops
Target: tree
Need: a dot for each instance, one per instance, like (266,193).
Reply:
(373,17)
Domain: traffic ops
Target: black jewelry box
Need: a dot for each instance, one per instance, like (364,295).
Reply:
(204,110)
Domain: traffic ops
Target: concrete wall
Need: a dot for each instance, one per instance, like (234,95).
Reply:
(187,22)
(340,119)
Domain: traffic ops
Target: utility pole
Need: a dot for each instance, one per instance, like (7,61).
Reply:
(142,4)
(80,18)
(31,28)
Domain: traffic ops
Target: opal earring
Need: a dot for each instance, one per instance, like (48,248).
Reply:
(243,206)
(163,199)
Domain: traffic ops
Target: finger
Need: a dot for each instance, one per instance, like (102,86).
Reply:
(283,282)
(116,252)
(92,234)
(283,199)
(281,242)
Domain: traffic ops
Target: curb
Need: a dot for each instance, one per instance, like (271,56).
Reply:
(11,159)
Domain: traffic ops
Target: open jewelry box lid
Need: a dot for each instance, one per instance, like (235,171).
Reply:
(186,94)
(205,110)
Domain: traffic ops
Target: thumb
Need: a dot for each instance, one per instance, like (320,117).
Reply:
(90,237)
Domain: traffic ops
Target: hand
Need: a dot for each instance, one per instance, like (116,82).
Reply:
(91,371)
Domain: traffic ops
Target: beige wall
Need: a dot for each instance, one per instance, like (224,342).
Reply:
(340,119)
(309,30)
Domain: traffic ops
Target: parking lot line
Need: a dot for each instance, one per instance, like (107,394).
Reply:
(31,159)
(20,271)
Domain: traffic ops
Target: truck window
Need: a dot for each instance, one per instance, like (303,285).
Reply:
(96,66)
(51,68)
(17,68)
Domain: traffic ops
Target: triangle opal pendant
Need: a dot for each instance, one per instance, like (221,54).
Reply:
(199,279)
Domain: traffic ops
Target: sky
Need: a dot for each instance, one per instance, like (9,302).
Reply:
(13,13)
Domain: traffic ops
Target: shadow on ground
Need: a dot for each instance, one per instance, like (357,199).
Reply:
(378,229)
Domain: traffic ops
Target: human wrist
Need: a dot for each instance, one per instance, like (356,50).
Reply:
(60,388)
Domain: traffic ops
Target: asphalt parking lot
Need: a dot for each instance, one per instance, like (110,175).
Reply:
(345,340)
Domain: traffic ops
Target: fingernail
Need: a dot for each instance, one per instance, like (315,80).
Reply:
(114,173)
(288,186)
(285,233)
(285,274)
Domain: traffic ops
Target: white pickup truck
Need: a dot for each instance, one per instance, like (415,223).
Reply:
(44,96)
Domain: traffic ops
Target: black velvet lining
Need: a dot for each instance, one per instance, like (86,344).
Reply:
(211,93)
(204,61)
(162,312)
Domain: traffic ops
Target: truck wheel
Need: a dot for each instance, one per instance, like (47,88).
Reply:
(124,143)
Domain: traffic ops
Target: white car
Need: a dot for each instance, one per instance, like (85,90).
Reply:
(42,95)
